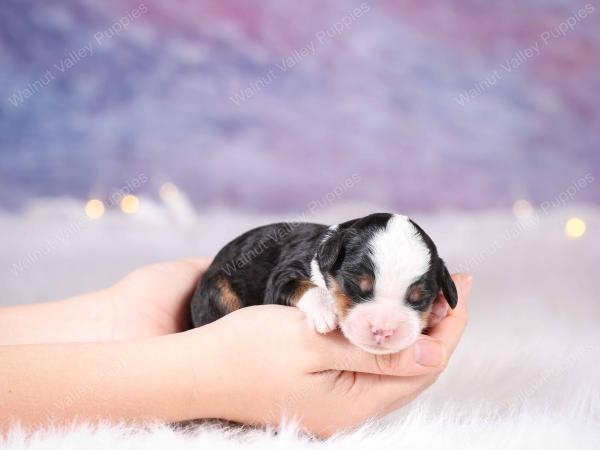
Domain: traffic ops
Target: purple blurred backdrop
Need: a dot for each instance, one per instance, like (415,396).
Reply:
(267,106)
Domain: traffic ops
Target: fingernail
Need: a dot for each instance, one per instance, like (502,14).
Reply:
(429,352)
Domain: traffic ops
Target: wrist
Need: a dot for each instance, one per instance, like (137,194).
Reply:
(202,358)
(165,380)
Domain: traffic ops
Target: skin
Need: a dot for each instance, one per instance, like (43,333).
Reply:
(122,354)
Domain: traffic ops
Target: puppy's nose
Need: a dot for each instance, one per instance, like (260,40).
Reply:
(381,335)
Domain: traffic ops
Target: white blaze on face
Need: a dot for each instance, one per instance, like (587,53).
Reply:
(400,257)
(386,324)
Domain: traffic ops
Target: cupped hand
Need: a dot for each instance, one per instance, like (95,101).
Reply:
(271,366)
(153,300)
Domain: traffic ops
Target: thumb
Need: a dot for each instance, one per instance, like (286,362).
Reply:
(426,355)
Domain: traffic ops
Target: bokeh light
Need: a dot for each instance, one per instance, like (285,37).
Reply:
(130,204)
(575,227)
(94,208)
(522,209)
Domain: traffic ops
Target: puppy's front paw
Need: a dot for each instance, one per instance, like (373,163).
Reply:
(320,312)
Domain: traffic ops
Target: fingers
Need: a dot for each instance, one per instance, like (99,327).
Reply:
(428,355)
(191,269)
(188,267)
(200,264)
(450,329)
(424,356)
(448,332)
(395,392)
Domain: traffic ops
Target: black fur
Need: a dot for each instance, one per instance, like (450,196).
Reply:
(262,265)
(353,258)
(438,276)
(265,265)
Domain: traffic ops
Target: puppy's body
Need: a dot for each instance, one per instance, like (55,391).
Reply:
(266,265)
(376,277)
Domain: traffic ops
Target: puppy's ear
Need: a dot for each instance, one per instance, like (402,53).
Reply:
(448,287)
(330,250)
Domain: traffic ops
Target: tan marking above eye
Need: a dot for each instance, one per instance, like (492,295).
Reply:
(415,293)
(365,282)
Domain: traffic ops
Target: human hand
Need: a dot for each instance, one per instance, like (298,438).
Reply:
(153,300)
(284,368)
(270,365)
(150,301)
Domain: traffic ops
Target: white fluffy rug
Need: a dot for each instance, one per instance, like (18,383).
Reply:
(526,375)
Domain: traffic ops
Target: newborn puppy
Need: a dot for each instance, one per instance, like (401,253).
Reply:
(377,277)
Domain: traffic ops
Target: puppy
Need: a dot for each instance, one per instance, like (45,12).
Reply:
(375,277)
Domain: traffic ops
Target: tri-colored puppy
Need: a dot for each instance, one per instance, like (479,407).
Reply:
(377,277)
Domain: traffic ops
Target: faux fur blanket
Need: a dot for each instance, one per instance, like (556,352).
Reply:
(526,374)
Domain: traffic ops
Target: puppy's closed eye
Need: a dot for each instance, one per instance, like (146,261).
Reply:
(365,283)
(418,295)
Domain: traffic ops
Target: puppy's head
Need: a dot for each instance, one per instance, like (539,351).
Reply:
(384,273)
